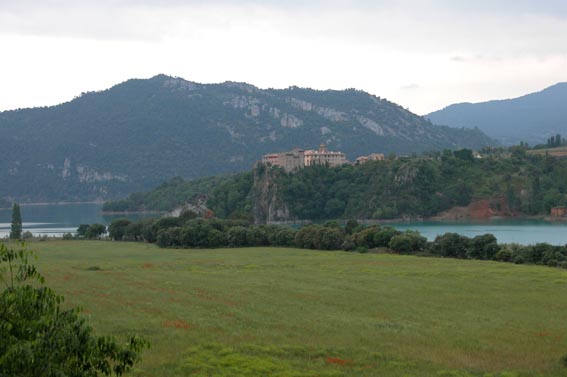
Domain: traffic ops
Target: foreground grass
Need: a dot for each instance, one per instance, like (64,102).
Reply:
(292,312)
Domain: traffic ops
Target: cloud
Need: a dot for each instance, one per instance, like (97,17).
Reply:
(410,87)
(54,49)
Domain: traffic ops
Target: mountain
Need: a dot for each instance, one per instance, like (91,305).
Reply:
(141,133)
(532,118)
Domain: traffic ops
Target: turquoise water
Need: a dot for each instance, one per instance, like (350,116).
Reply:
(506,231)
(55,220)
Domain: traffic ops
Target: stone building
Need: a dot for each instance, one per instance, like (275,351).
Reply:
(299,158)
(324,157)
(289,161)
(373,157)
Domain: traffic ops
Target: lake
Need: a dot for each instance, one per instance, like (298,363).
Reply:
(55,220)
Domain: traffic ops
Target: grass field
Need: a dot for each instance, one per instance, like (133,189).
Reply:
(292,312)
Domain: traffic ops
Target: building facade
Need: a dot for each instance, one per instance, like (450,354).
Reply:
(324,157)
(299,158)
(289,161)
(373,157)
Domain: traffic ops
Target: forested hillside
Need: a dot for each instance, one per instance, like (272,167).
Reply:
(141,133)
(532,118)
(508,185)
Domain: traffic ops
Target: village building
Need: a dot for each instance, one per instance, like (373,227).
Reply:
(299,158)
(289,161)
(372,157)
(324,157)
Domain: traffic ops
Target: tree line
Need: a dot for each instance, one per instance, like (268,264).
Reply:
(188,231)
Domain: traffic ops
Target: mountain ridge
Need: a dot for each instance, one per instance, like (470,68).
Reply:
(142,132)
(532,117)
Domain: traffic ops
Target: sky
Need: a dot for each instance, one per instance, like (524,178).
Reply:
(421,54)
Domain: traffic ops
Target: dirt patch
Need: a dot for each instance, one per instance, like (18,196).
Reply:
(338,361)
(148,265)
(481,209)
(177,324)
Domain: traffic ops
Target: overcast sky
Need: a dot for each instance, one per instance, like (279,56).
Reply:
(422,54)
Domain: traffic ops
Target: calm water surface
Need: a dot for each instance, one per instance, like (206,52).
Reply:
(506,231)
(55,220)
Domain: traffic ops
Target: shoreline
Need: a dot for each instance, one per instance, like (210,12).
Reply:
(134,212)
(433,219)
(39,204)
(436,219)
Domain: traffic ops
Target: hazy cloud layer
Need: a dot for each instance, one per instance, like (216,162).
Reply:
(457,50)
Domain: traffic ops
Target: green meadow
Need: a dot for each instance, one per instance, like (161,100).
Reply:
(294,312)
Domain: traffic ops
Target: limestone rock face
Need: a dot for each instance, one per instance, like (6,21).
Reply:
(268,207)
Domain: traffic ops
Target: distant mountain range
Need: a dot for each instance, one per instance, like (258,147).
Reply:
(141,133)
(532,118)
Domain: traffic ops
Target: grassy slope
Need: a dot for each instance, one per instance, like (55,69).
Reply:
(283,311)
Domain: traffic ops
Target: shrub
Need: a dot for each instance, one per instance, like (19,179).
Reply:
(503,255)
(307,237)
(348,245)
(362,250)
(366,236)
(117,228)
(483,247)
(451,245)
(563,360)
(95,231)
(237,236)
(330,239)
(68,236)
(383,237)
(408,243)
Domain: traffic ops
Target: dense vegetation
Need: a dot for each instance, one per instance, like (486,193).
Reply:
(512,181)
(188,231)
(532,118)
(166,196)
(40,337)
(141,133)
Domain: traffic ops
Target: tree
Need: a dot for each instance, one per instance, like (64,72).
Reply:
(483,247)
(117,229)
(464,154)
(95,231)
(16,229)
(351,225)
(82,230)
(42,338)
(408,242)
(451,245)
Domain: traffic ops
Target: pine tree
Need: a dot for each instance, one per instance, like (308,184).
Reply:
(16,231)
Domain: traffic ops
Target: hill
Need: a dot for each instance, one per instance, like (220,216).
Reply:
(532,118)
(143,132)
(501,184)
